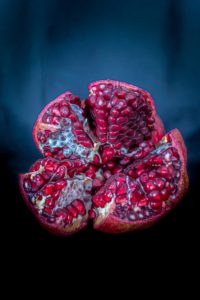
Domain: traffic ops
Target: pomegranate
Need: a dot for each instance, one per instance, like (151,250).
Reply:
(106,158)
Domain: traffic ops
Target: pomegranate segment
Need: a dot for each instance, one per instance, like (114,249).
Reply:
(62,131)
(104,158)
(60,201)
(145,190)
(123,115)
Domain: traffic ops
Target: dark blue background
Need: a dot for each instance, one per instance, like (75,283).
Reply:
(48,47)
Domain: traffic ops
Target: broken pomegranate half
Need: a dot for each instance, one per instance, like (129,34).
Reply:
(106,158)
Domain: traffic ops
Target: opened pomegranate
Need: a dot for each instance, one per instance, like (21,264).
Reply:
(105,158)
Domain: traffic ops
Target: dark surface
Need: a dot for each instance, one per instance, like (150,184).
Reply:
(48,47)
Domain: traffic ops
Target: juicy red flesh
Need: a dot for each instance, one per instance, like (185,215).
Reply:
(100,153)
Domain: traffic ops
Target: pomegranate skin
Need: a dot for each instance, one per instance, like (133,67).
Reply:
(111,224)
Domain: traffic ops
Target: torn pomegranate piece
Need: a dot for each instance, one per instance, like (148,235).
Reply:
(105,158)
(62,131)
(59,201)
(123,115)
(144,191)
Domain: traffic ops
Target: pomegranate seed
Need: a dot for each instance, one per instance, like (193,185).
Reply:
(133,198)
(121,120)
(120,199)
(121,190)
(61,215)
(48,189)
(73,211)
(169,186)
(47,210)
(144,177)
(110,164)
(114,127)
(126,111)
(46,176)
(92,214)
(157,160)
(112,187)
(56,195)
(98,201)
(107,197)
(107,154)
(152,174)
(100,102)
(114,112)
(160,183)
(120,94)
(163,171)
(38,179)
(47,119)
(155,196)
(64,111)
(36,166)
(39,197)
(112,120)
(50,202)
(117,145)
(164,194)
(60,173)
(100,113)
(156,205)
(96,160)
(55,110)
(149,186)
(60,184)
(107,174)
(69,217)
(91,172)
(132,185)
(56,120)
(50,166)
(132,173)
(78,204)
(142,202)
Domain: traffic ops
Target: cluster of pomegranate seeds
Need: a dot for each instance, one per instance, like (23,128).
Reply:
(146,187)
(119,113)
(102,161)
(63,130)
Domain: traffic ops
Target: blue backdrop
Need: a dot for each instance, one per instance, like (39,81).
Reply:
(48,47)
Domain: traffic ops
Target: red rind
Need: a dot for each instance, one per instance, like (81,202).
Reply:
(178,143)
(159,131)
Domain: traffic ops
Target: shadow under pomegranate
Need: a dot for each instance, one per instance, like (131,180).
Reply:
(106,158)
